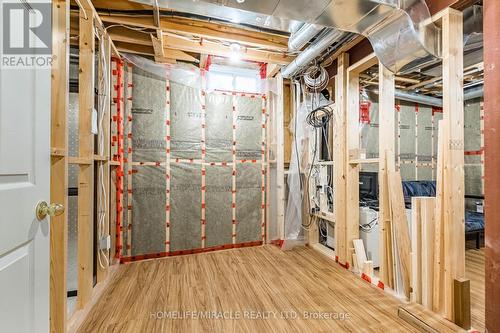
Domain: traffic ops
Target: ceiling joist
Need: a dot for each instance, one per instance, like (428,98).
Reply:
(204,30)
(173,42)
(205,46)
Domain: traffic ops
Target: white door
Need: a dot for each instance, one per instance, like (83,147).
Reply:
(24,181)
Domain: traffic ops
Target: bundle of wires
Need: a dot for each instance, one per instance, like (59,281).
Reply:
(319,117)
(103,100)
(316,78)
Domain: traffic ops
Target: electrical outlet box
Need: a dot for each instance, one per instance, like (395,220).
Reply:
(95,129)
(105,243)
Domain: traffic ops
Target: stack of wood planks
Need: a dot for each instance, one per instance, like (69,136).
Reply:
(399,227)
(422,250)
(450,289)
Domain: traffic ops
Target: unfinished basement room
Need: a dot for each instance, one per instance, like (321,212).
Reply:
(250,166)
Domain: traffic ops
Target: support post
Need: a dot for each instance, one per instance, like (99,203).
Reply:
(453,180)
(86,150)
(104,149)
(340,160)
(59,164)
(387,137)
(352,146)
(492,160)
(280,159)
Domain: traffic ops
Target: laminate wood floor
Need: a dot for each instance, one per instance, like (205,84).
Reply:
(474,271)
(267,288)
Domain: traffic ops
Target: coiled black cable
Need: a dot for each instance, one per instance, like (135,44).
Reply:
(319,117)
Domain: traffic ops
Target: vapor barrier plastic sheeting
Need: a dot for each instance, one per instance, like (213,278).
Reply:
(192,164)
(302,145)
(248,127)
(218,230)
(185,207)
(148,210)
(219,132)
(148,112)
(185,117)
(189,76)
(248,197)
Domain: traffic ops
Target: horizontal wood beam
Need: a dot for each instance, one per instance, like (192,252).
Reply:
(144,46)
(224,51)
(362,65)
(122,34)
(203,29)
(147,50)
(88,10)
(435,6)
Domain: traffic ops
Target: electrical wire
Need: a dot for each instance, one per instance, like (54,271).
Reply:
(103,100)
(319,117)
(85,17)
(367,227)
(316,78)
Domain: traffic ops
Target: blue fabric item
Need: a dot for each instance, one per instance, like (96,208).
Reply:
(423,188)
(474,221)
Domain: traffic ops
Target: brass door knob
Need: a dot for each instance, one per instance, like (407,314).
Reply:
(43,209)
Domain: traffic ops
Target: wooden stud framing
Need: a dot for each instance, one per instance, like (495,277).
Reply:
(59,164)
(224,51)
(104,182)
(423,242)
(340,156)
(128,86)
(86,147)
(203,30)
(453,116)
(427,207)
(399,222)
(203,61)
(352,145)
(438,286)
(416,250)
(280,158)
(386,143)
(158,46)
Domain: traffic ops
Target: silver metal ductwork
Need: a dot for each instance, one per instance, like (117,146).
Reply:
(305,57)
(472,93)
(302,36)
(418,98)
(400,31)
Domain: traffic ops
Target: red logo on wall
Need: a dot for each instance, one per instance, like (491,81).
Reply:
(364,112)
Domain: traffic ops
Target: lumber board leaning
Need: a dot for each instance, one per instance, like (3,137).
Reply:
(438,288)
(359,251)
(368,268)
(386,142)
(352,170)
(427,206)
(416,251)
(453,116)
(400,225)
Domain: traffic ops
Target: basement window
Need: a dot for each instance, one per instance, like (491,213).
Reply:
(233,79)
